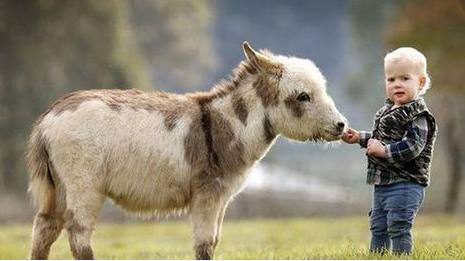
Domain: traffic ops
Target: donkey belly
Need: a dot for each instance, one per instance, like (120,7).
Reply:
(156,188)
(148,173)
(144,165)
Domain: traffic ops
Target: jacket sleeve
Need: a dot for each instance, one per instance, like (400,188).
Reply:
(364,137)
(411,145)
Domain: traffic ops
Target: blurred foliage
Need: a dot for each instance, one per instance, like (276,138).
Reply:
(177,39)
(367,22)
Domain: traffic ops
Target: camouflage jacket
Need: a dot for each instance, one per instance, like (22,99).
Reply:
(409,133)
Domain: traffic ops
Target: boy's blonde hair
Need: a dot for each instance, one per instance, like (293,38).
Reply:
(416,58)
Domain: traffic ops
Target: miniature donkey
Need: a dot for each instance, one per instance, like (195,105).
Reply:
(157,153)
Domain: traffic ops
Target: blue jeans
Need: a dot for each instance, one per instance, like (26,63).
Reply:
(392,215)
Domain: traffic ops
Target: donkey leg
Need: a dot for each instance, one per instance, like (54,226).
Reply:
(46,229)
(48,223)
(81,215)
(204,216)
(219,225)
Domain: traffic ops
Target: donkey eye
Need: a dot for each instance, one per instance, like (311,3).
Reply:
(303,97)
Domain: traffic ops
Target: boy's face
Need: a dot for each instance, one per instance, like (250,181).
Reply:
(402,82)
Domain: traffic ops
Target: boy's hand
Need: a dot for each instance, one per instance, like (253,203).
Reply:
(351,136)
(376,148)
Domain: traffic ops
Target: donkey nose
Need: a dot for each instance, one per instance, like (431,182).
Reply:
(340,125)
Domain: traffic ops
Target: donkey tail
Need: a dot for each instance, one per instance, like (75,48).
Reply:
(41,185)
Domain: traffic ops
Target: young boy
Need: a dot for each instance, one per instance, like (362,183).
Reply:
(399,151)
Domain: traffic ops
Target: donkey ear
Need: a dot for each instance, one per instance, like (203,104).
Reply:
(249,52)
(258,60)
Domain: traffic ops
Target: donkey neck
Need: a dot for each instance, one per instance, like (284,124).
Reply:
(245,108)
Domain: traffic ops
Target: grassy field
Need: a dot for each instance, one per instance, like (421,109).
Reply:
(436,237)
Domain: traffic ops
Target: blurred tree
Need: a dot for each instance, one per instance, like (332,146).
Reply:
(177,38)
(365,83)
(437,29)
(367,19)
(50,47)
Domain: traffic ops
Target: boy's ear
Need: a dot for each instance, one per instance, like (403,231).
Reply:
(259,61)
(422,82)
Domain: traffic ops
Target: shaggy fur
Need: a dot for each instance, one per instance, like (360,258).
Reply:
(161,154)
(240,108)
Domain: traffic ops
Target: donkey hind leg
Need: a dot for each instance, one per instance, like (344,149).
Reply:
(204,217)
(48,223)
(46,229)
(81,215)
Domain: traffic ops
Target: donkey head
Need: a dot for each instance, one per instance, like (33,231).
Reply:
(302,110)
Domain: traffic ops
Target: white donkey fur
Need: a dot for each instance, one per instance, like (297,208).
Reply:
(158,153)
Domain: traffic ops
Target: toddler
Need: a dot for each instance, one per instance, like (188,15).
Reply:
(399,151)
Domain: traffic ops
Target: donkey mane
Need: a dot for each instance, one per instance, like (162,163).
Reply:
(150,101)
(224,87)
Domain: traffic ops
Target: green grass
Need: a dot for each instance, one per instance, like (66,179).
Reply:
(436,237)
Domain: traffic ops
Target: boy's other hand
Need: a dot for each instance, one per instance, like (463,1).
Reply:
(376,148)
(351,136)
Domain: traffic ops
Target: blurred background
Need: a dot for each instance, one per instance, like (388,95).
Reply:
(51,47)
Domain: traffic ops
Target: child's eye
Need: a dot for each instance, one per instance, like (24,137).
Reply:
(406,78)
(390,79)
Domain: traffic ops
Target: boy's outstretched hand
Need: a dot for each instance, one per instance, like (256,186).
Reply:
(351,136)
(376,148)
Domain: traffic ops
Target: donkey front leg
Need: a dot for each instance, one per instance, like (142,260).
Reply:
(219,225)
(204,216)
